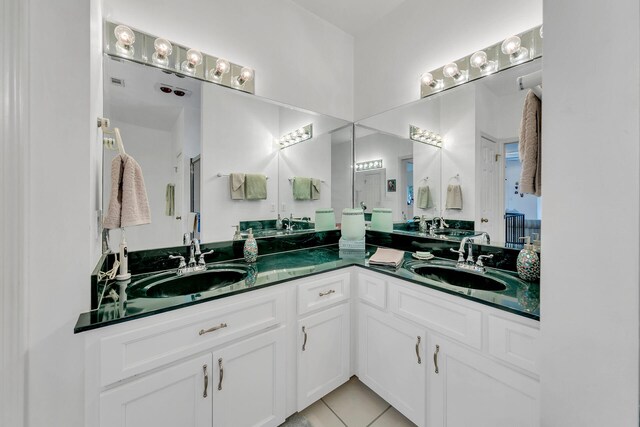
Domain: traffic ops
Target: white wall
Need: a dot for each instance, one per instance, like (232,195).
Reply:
(341,170)
(590,135)
(288,46)
(238,135)
(419,36)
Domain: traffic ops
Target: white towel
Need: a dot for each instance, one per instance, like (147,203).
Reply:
(424,197)
(128,204)
(454,197)
(530,147)
(387,257)
(170,199)
(236,186)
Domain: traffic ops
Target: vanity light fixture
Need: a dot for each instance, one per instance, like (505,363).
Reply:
(246,75)
(163,49)
(452,71)
(480,61)
(125,39)
(512,46)
(194,58)
(428,80)
(297,136)
(222,67)
(369,165)
(424,136)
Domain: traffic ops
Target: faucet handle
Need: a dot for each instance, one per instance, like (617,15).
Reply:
(181,258)
(479,263)
(201,260)
(460,254)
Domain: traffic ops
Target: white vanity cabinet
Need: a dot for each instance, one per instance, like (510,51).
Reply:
(323,337)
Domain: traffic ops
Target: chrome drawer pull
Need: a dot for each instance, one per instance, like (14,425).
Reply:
(215,328)
(418,350)
(435,357)
(304,344)
(206,380)
(221,373)
(330,291)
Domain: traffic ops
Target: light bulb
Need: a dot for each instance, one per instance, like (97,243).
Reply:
(125,36)
(427,79)
(163,49)
(511,45)
(479,59)
(222,67)
(451,70)
(194,57)
(246,74)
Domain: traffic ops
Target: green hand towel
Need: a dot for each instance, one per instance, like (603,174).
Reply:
(424,197)
(255,187)
(301,188)
(170,196)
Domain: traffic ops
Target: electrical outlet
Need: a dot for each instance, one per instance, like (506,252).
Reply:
(273,207)
(284,207)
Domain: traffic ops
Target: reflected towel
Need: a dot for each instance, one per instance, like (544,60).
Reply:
(454,197)
(424,197)
(255,186)
(387,257)
(530,147)
(170,200)
(315,189)
(301,188)
(128,204)
(236,185)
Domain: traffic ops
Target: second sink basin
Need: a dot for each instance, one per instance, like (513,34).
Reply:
(165,285)
(460,278)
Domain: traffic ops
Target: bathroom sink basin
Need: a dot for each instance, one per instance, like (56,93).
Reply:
(460,278)
(165,285)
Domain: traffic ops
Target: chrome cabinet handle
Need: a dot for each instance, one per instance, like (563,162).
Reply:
(418,349)
(215,328)
(206,380)
(330,291)
(435,357)
(221,373)
(304,344)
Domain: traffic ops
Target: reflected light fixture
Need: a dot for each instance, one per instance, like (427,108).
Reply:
(194,58)
(480,61)
(246,74)
(512,46)
(222,67)
(424,136)
(369,165)
(451,70)
(299,135)
(163,49)
(428,80)
(125,39)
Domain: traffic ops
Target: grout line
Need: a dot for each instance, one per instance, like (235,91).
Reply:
(334,413)
(376,418)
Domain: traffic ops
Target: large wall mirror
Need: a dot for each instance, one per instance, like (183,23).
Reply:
(188,136)
(479,126)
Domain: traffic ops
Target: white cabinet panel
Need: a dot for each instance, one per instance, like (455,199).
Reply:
(472,390)
(391,361)
(248,384)
(172,397)
(322,291)
(323,353)
(372,289)
(514,343)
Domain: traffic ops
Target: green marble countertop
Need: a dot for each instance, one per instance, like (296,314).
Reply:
(521,298)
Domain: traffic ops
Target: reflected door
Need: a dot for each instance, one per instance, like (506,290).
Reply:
(489,218)
(369,187)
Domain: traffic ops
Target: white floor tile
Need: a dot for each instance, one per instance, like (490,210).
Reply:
(319,415)
(355,403)
(392,418)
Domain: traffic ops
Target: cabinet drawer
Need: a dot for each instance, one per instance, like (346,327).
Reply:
(372,290)
(452,320)
(133,352)
(514,343)
(318,293)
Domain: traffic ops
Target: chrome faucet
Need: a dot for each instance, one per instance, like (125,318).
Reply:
(287,223)
(468,263)
(485,237)
(192,266)
(443,224)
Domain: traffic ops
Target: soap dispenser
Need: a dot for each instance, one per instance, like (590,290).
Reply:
(279,223)
(236,234)
(422,225)
(528,263)
(250,248)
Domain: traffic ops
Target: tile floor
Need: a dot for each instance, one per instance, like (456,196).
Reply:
(353,405)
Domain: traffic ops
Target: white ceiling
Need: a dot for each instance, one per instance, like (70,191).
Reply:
(351,16)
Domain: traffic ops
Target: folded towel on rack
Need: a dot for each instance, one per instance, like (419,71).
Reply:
(128,204)
(236,185)
(424,197)
(530,146)
(170,200)
(301,188)
(315,189)
(454,197)
(387,257)
(255,186)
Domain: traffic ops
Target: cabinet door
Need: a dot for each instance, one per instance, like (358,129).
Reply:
(471,389)
(323,353)
(176,396)
(391,361)
(248,384)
